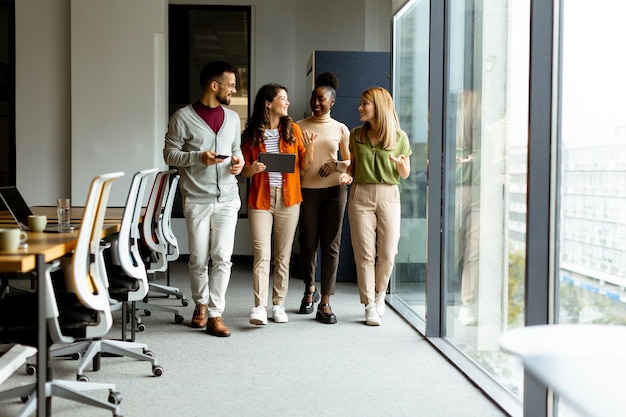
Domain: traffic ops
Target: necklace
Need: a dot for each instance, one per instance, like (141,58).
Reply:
(373,144)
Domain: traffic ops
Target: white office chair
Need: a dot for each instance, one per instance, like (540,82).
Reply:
(127,273)
(77,306)
(160,242)
(166,224)
(126,281)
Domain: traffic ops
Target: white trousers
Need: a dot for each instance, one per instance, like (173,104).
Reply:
(211,237)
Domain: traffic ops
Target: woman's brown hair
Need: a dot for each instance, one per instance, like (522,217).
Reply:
(259,119)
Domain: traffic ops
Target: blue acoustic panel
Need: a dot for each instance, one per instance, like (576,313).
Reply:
(356,71)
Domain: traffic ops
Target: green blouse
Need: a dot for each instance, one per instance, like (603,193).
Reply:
(372,163)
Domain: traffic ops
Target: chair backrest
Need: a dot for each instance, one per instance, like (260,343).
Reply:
(83,273)
(125,245)
(152,232)
(166,221)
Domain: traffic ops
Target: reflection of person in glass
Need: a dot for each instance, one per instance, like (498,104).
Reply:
(467,201)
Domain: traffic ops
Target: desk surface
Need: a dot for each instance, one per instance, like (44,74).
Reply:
(584,364)
(113,214)
(51,245)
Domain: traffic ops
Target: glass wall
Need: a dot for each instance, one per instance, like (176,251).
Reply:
(591,277)
(481,259)
(485,173)
(489,192)
(410,91)
(593,167)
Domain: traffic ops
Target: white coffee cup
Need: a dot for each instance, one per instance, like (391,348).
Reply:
(37,223)
(10,239)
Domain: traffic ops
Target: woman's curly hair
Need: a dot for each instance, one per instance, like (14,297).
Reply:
(328,80)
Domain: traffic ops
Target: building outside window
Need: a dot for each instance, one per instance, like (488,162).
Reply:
(591,281)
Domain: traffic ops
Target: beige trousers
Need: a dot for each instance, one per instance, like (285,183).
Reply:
(278,224)
(374,214)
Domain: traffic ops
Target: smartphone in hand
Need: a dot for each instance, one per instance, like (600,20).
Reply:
(222,156)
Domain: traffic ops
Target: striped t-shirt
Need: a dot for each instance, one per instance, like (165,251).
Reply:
(271,145)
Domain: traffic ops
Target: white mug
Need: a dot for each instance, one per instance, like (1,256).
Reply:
(10,239)
(37,223)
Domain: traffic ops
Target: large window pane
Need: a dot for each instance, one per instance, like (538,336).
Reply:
(592,208)
(410,90)
(485,176)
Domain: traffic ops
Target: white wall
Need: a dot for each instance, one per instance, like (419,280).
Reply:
(284,32)
(42,101)
(118,87)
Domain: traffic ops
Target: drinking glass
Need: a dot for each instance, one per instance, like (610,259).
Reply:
(63,213)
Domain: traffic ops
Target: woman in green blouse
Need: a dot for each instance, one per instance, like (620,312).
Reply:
(380,153)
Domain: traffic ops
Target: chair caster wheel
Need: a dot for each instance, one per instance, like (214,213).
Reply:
(179,319)
(157,370)
(24,398)
(141,327)
(185,302)
(76,356)
(31,369)
(147,312)
(115,397)
(148,352)
(82,378)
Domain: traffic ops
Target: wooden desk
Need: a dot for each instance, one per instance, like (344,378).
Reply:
(44,248)
(17,263)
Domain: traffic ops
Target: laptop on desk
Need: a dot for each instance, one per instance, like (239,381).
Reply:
(15,203)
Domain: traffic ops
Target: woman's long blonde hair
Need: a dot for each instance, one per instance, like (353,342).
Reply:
(468,108)
(385,114)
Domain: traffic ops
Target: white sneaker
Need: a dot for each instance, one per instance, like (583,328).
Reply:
(466,315)
(380,303)
(371,315)
(258,316)
(279,315)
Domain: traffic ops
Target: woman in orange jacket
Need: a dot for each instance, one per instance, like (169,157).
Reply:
(274,197)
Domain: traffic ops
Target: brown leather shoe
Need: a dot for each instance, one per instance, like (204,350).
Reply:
(215,326)
(199,318)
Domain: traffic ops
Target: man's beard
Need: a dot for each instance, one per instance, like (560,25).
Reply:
(225,100)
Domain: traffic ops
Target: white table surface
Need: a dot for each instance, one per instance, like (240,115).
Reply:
(584,364)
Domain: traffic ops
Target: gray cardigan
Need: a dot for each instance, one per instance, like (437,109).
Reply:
(186,138)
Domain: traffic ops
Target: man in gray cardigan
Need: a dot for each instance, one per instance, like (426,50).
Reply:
(203,141)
